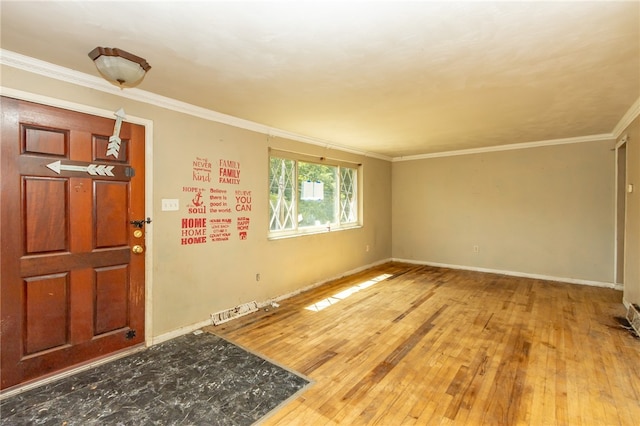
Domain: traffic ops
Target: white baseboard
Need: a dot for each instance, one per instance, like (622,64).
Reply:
(515,274)
(193,327)
(319,283)
(181,331)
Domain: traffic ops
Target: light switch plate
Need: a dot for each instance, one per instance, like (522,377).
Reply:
(170,204)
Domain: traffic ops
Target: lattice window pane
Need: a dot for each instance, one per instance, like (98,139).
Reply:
(282,194)
(348,195)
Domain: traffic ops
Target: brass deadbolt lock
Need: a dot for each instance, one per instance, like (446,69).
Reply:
(137,233)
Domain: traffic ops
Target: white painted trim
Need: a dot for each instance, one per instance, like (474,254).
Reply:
(619,144)
(193,327)
(149,232)
(319,283)
(627,118)
(513,273)
(148,125)
(509,147)
(57,72)
(615,213)
(47,69)
(622,141)
(181,331)
(36,66)
(60,103)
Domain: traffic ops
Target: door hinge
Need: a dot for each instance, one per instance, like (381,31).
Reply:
(129,171)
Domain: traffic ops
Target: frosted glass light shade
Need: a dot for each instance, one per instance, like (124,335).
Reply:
(119,67)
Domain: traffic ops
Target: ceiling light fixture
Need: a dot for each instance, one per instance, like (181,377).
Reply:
(121,68)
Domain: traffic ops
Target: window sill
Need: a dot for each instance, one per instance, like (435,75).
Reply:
(314,231)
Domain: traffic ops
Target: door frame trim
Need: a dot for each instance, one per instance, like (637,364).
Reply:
(619,143)
(148,187)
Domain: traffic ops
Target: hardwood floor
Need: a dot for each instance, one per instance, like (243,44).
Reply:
(439,346)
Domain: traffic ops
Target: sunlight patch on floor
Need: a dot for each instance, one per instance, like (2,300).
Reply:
(332,300)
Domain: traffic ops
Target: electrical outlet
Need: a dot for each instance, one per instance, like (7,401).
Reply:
(257,277)
(170,204)
(476,249)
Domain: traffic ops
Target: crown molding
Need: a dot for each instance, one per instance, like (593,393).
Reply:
(36,66)
(46,69)
(57,72)
(630,115)
(509,147)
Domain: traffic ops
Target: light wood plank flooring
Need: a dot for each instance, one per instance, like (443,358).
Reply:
(439,346)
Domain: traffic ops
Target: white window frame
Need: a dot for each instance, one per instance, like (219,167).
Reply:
(308,230)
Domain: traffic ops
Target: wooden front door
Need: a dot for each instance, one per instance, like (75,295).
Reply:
(72,288)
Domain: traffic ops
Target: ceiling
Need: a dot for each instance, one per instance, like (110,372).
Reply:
(388,77)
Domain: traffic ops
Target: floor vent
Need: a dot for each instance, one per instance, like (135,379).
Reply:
(224,316)
(633,316)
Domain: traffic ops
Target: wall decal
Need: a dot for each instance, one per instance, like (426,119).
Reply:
(243,201)
(215,207)
(243,227)
(229,172)
(92,169)
(196,204)
(113,147)
(201,170)
(197,200)
(218,201)
(194,231)
(220,229)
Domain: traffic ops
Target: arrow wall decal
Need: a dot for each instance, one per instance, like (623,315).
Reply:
(92,169)
(113,147)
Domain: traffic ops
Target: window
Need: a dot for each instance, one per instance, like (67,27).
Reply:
(309,194)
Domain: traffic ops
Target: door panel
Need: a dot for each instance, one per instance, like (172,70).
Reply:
(44,141)
(45,233)
(46,312)
(112,217)
(71,290)
(112,301)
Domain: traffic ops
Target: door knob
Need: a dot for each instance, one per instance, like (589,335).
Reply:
(137,249)
(140,223)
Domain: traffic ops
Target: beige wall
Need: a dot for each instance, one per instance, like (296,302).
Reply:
(632,225)
(542,211)
(192,281)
